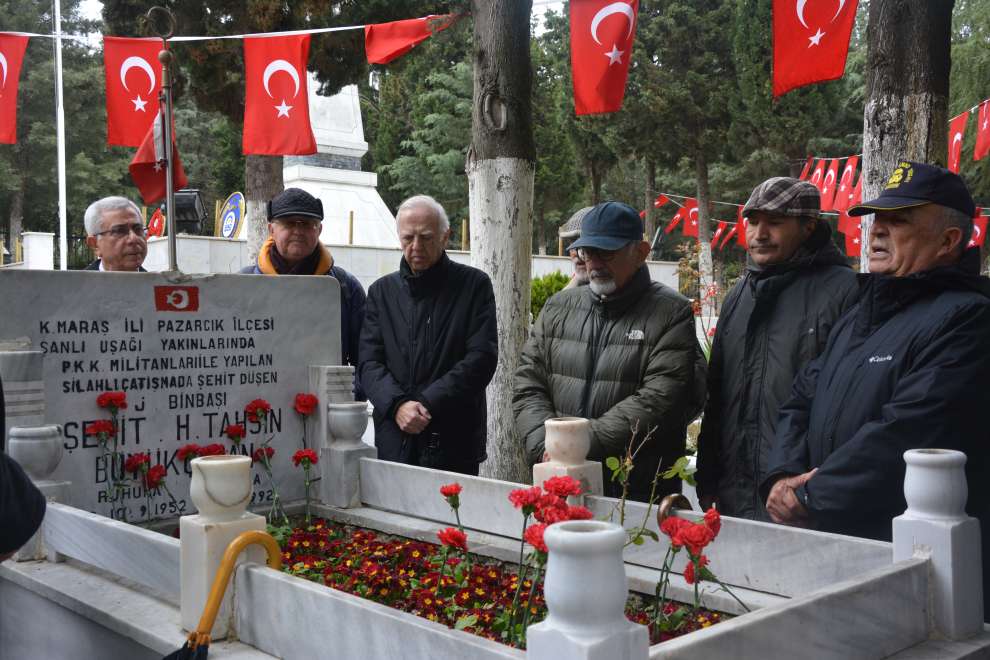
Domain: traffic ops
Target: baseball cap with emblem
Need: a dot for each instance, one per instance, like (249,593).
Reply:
(784,195)
(915,184)
(609,226)
(295,202)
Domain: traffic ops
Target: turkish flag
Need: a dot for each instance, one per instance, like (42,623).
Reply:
(979,229)
(660,201)
(728,236)
(829,184)
(177,298)
(845,190)
(718,232)
(12,47)
(741,224)
(852,244)
(818,175)
(674,221)
(276,105)
(690,210)
(156,224)
(810,41)
(133,79)
(807,168)
(601,47)
(148,167)
(384,42)
(982,131)
(848,224)
(957,128)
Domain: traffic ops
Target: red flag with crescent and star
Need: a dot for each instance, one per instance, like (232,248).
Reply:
(728,236)
(148,167)
(979,229)
(718,232)
(957,129)
(690,209)
(676,220)
(133,79)
(12,47)
(810,41)
(807,168)
(816,177)
(853,247)
(660,201)
(276,105)
(845,190)
(742,222)
(830,184)
(384,42)
(982,147)
(602,33)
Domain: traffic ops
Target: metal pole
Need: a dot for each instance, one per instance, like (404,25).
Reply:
(63,238)
(165,97)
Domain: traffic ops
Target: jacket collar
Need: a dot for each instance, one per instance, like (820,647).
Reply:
(268,257)
(629,295)
(429,279)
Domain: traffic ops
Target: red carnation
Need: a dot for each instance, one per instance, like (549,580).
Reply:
(551,509)
(101,426)
(714,521)
(534,536)
(526,499)
(696,536)
(261,454)
(689,575)
(453,538)
(562,486)
(451,490)
(135,462)
(113,401)
(257,410)
(154,477)
(215,449)
(305,456)
(671,526)
(306,404)
(579,513)
(188,452)
(235,432)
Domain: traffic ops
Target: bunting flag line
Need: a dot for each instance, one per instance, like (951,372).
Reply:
(12,47)
(676,220)
(806,168)
(660,201)
(982,147)
(979,229)
(384,42)
(728,235)
(276,105)
(718,232)
(957,128)
(818,175)
(742,223)
(845,190)
(602,33)
(829,184)
(810,42)
(147,169)
(132,76)
(690,226)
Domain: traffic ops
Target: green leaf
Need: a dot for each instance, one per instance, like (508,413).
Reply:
(466,622)
(637,540)
(612,463)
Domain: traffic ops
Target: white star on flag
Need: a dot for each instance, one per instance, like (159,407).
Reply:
(815,38)
(139,103)
(615,56)
(283,110)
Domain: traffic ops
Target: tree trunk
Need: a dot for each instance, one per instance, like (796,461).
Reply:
(16,217)
(262,181)
(500,169)
(706,280)
(907,90)
(596,184)
(651,195)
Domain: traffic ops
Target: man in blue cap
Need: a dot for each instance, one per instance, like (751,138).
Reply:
(905,368)
(621,352)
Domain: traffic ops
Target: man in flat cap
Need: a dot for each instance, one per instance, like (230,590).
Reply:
(620,351)
(293,247)
(906,368)
(775,320)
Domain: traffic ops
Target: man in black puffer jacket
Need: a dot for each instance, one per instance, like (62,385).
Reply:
(774,321)
(428,349)
(906,368)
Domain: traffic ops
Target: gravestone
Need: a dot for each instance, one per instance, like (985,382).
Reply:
(189,351)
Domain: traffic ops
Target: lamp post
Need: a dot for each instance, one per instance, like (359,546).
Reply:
(165,28)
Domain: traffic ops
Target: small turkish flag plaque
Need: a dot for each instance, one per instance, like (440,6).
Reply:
(177,298)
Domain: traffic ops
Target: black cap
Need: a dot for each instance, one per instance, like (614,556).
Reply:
(609,226)
(295,202)
(915,184)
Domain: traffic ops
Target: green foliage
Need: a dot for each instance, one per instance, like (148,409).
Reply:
(681,470)
(544,287)
(968,86)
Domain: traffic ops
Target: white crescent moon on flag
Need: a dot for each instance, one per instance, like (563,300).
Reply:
(830,174)
(3,64)
(816,176)
(977,231)
(954,154)
(800,11)
(141,63)
(693,213)
(280,65)
(179,299)
(614,8)
(842,3)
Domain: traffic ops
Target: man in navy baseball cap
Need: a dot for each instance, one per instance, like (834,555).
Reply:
(612,246)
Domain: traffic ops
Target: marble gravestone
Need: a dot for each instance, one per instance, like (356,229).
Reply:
(189,351)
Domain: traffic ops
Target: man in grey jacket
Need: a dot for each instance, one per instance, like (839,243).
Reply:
(621,352)
(774,321)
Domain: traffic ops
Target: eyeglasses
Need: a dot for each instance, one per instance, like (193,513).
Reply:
(588,253)
(300,224)
(122,231)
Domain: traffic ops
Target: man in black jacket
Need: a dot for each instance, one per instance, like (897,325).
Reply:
(428,349)
(22,506)
(906,368)
(774,321)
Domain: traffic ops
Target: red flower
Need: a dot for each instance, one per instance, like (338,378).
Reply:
(113,401)
(526,499)
(534,536)
(101,426)
(696,536)
(306,404)
(136,463)
(689,575)
(235,432)
(672,526)
(305,456)
(257,410)
(154,477)
(261,453)
(453,538)
(551,509)
(714,521)
(562,486)
(215,449)
(579,513)
(188,452)
(451,490)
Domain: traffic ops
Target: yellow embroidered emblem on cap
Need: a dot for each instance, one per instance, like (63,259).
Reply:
(902,174)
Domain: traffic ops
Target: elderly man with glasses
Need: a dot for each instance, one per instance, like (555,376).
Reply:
(621,352)
(116,233)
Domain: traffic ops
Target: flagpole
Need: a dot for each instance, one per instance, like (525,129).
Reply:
(63,238)
(165,103)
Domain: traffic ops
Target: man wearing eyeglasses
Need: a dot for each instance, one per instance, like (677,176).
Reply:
(116,233)
(620,351)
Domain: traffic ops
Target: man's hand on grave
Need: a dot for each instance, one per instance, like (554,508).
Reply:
(412,417)
(783,504)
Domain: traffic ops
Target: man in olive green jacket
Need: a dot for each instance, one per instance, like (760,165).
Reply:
(621,352)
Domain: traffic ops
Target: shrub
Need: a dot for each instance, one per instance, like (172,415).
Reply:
(544,287)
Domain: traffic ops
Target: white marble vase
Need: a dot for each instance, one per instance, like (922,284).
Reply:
(347,422)
(568,439)
(38,449)
(221,486)
(935,483)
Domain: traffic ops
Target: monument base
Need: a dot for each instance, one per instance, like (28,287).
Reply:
(626,641)
(340,472)
(34,549)
(588,473)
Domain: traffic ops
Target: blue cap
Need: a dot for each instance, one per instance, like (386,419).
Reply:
(914,184)
(609,226)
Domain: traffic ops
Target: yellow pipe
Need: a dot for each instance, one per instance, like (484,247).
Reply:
(201,636)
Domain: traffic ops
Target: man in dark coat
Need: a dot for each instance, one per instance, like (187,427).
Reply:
(293,247)
(429,348)
(116,234)
(774,321)
(620,351)
(22,506)
(906,368)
